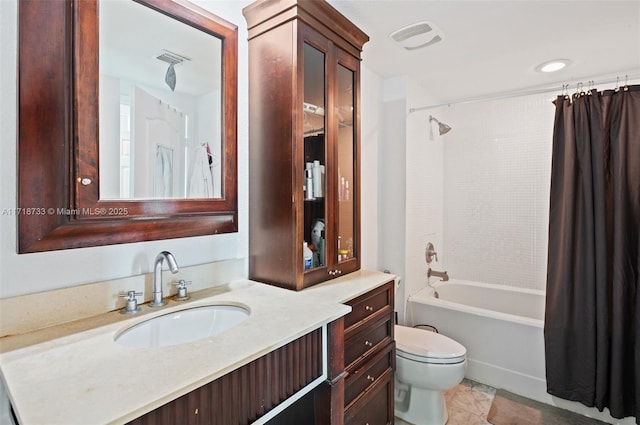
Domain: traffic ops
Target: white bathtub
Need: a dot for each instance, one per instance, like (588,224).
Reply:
(501,327)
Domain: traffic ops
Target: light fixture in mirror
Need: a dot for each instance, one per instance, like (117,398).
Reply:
(66,150)
(160,106)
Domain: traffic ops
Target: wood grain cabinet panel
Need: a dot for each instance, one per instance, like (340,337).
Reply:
(363,378)
(375,407)
(368,340)
(245,394)
(369,349)
(304,142)
(366,305)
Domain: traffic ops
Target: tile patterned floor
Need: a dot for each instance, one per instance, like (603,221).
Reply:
(470,402)
(467,404)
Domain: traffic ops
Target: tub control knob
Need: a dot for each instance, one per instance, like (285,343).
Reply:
(430,253)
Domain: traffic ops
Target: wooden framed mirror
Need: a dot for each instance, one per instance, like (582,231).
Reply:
(82,178)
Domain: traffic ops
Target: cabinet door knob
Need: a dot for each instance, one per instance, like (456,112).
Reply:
(368,308)
(370,378)
(368,343)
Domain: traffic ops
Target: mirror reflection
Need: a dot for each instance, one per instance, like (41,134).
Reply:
(160,106)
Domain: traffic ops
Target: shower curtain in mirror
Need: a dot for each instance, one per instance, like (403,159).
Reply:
(592,323)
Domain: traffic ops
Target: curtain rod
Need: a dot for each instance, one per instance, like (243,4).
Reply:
(508,95)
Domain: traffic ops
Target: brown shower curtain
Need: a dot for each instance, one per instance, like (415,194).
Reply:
(592,322)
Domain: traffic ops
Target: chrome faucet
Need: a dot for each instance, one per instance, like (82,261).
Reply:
(157,276)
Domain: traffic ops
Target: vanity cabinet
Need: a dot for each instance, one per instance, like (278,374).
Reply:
(369,358)
(304,141)
(249,392)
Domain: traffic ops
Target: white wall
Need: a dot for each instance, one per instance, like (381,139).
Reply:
(391,182)
(496,181)
(425,189)
(480,193)
(410,179)
(371,88)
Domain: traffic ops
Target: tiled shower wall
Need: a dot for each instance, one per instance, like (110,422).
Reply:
(497,167)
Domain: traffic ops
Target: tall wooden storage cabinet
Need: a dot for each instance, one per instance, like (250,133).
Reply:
(304,141)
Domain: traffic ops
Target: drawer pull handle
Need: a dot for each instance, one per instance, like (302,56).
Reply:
(368,343)
(370,378)
(368,308)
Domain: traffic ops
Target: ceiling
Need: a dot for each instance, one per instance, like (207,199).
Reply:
(493,47)
(130,51)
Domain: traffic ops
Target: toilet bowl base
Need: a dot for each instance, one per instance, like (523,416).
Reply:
(424,407)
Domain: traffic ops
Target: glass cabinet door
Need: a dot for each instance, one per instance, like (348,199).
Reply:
(344,109)
(315,190)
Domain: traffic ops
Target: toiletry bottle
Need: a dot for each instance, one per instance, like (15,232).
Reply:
(308,178)
(317,180)
(321,248)
(308,256)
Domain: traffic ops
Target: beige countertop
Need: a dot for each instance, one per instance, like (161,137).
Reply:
(75,374)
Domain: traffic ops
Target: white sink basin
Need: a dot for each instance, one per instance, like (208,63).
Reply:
(183,326)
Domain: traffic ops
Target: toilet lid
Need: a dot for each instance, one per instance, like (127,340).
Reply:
(427,346)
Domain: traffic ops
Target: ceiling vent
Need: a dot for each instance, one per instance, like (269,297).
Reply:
(417,36)
(171,58)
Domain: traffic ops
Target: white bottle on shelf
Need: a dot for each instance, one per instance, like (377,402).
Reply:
(308,256)
(317,180)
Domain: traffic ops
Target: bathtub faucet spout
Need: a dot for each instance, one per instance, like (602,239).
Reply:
(442,275)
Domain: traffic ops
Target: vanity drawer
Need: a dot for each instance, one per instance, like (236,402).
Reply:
(366,376)
(375,407)
(368,340)
(368,304)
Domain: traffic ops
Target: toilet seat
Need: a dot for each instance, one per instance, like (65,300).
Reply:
(427,347)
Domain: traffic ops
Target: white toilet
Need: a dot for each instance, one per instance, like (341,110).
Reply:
(427,364)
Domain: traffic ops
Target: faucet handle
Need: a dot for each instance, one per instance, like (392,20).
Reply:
(430,253)
(131,295)
(182,289)
(132,303)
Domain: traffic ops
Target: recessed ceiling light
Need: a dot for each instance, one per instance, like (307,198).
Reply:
(553,66)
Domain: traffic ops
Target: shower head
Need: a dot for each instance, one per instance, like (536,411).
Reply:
(442,127)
